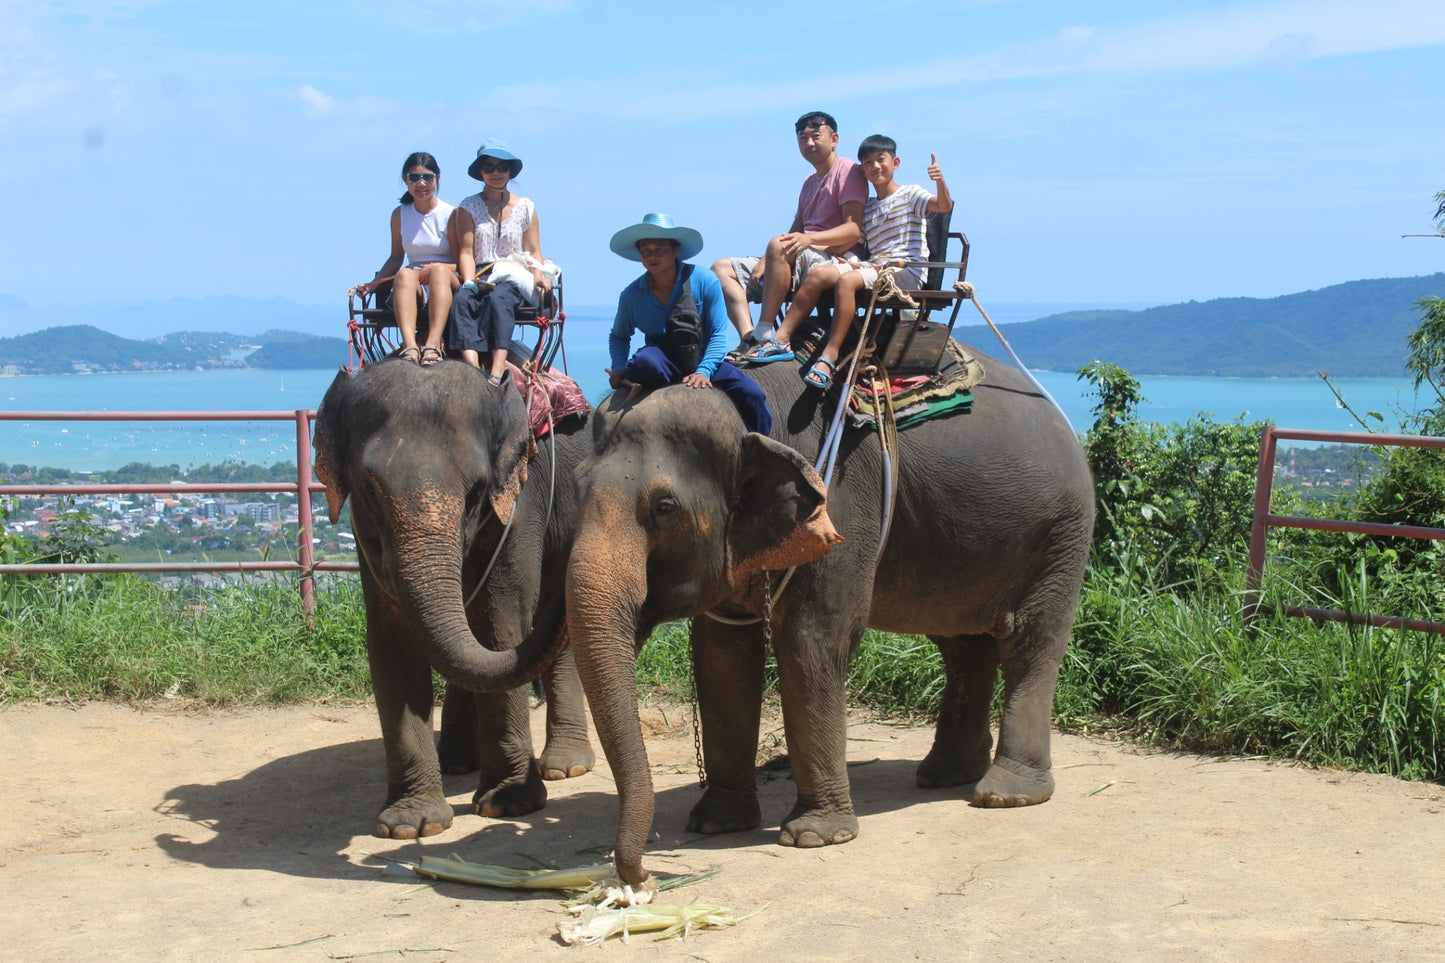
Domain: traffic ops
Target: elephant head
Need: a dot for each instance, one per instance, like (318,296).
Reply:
(423,453)
(678,506)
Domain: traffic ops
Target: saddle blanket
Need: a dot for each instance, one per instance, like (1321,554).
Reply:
(919,398)
(551,398)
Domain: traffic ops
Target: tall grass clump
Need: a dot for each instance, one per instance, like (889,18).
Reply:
(121,637)
(1189,669)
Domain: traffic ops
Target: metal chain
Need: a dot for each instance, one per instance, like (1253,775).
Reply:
(696,714)
(697,729)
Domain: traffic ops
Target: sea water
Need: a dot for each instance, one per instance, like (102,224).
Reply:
(90,446)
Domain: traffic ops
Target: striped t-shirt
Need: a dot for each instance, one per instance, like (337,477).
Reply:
(893,226)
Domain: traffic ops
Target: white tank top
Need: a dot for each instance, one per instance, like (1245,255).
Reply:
(424,236)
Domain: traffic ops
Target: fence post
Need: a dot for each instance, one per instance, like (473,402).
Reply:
(305,554)
(1263,484)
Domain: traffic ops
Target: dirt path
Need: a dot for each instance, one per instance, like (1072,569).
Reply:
(169,834)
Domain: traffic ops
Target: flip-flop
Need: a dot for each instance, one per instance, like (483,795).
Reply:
(410,353)
(429,355)
(817,377)
(769,351)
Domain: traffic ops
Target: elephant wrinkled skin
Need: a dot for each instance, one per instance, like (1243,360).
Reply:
(682,511)
(435,461)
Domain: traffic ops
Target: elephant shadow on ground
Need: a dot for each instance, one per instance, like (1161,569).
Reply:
(310,814)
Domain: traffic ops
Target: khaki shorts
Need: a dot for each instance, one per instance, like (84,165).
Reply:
(903,277)
(807,259)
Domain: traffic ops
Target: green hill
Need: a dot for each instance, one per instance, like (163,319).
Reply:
(1357,329)
(82,348)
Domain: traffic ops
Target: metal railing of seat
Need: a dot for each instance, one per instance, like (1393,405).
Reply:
(1264,520)
(305,564)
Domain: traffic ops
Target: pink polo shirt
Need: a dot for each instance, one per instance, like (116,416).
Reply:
(820,203)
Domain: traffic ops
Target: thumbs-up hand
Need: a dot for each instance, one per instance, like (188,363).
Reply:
(935,173)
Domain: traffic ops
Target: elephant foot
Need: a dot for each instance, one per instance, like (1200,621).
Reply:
(415,816)
(1008,784)
(725,811)
(940,770)
(512,797)
(566,758)
(458,755)
(811,828)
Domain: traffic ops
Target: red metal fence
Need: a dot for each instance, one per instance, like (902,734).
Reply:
(1264,520)
(305,563)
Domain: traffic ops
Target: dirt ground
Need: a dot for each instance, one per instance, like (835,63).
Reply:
(171,833)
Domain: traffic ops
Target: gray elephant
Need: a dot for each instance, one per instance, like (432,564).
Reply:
(682,513)
(436,461)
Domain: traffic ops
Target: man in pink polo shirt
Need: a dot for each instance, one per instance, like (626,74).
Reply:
(828,225)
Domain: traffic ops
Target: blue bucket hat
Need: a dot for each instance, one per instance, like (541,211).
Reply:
(495,149)
(624,242)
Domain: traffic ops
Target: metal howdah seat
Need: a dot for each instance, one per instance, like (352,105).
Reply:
(372,332)
(905,339)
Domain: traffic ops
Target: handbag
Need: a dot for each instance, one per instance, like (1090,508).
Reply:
(682,341)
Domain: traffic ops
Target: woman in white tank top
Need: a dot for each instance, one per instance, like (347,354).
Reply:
(420,234)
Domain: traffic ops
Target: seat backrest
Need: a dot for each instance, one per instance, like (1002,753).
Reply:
(935,232)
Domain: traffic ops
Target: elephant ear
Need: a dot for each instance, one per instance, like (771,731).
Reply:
(329,441)
(781,515)
(515,448)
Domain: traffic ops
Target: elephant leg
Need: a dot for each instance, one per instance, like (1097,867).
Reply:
(511,784)
(569,750)
(962,743)
(416,804)
(812,678)
(459,747)
(728,666)
(1021,774)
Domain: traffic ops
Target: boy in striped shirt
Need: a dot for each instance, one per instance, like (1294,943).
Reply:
(893,228)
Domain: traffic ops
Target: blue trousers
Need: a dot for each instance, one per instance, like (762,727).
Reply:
(483,322)
(651,368)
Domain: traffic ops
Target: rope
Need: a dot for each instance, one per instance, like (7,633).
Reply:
(828,454)
(966,289)
(888,445)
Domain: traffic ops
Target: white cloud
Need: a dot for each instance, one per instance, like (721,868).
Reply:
(314,101)
(1279,35)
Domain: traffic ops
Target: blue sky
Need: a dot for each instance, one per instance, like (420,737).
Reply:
(1099,153)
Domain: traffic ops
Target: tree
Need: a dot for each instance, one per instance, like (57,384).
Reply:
(1411,486)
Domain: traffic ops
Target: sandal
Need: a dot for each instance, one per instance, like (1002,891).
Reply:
(496,380)
(410,353)
(817,377)
(744,346)
(429,355)
(769,351)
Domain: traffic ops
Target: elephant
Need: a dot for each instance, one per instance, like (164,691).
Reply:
(435,461)
(684,514)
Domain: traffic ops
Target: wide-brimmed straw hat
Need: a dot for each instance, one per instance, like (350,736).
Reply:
(624,242)
(498,150)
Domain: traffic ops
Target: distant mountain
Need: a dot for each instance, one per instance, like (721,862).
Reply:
(148,319)
(1357,329)
(84,348)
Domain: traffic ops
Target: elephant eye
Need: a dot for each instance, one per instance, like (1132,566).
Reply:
(665,505)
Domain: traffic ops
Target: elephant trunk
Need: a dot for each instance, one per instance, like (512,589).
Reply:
(429,584)
(606,586)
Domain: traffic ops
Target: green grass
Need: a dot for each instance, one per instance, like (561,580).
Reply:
(1172,665)
(123,638)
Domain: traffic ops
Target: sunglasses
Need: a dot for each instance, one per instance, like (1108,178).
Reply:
(414,177)
(494,168)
